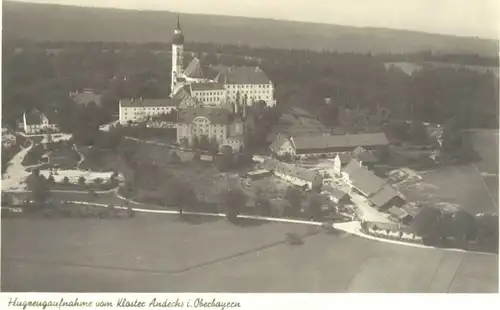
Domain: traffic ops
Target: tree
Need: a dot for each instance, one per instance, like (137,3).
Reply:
(81,181)
(418,133)
(204,143)
(262,203)
(40,189)
(130,212)
(234,199)
(214,145)
(295,197)
(51,180)
(426,224)
(184,141)
(175,158)
(465,226)
(314,206)
(488,229)
(196,143)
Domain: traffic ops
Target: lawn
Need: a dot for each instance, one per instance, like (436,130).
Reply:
(161,253)
(99,160)
(472,187)
(452,187)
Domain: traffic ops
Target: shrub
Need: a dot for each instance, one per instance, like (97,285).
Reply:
(130,212)
(81,181)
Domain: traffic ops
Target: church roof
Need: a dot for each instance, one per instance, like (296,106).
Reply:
(206,86)
(194,70)
(241,75)
(34,117)
(162,102)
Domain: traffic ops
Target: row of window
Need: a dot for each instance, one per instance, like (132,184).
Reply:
(248,85)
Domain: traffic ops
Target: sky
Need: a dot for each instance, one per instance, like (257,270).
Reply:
(479,18)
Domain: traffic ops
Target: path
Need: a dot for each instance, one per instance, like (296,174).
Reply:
(493,200)
(16,174)
(353,227)
(82,157)
(368,212)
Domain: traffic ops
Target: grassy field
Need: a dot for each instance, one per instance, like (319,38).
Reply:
(211,255)
(472,187)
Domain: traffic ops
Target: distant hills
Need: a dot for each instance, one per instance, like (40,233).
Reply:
(49,22)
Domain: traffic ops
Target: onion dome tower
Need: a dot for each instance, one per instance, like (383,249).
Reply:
(177,55)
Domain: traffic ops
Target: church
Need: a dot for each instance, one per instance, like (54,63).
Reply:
(211,101)
(218,85)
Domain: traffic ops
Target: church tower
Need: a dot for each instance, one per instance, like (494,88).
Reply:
(177,56)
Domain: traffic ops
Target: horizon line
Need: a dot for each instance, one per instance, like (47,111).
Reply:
(476,37)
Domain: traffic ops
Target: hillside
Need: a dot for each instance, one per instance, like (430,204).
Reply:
(48,22)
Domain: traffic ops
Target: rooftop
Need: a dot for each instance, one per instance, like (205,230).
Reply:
(277,143)
(384,196)
(34,117)
(206,86)
(86,97)
(339,141)
(363,179)
(334,191)
(162,102)
(241,75)
(298,172)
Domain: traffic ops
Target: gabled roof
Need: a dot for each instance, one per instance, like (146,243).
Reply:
(194,70)
(363,179)
(214,115)
(334,191)
(270,164)
(397,212)
(206,86)
(410,209)
(162,102)
(86,97)
(298,172)
(384,196)
(183,92)
(366,157)
(277,143)
(345,158)
(241,75)
(34,117)
(339,141)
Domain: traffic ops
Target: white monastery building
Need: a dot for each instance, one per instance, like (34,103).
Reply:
(197,86)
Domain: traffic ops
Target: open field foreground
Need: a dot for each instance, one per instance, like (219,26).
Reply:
(205,254)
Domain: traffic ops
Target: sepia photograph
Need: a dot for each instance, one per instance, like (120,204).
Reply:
(250,146)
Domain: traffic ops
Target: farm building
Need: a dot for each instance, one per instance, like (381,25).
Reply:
(258,174)
(328,145)
(361,179)
(298,176)
(337,195)
(386,198)
(400,214)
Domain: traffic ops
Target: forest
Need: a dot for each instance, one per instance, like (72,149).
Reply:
(41,75)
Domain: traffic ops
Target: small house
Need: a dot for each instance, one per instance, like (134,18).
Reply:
(37,122)
(299,176)
(387,198)
(337,195)
(258,174)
